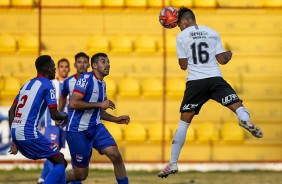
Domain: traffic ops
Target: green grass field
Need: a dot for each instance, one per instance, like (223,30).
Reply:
(142,177)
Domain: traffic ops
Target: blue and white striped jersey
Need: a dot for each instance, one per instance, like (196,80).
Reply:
(93,90)
(67,90)
(32,101)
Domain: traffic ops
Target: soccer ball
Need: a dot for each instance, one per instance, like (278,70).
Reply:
(168,17)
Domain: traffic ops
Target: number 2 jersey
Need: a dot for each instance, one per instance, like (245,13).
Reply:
(93,90)
(200,44)
(32,101)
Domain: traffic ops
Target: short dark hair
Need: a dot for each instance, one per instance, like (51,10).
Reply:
(95,57)
(42,63)
(63,60)
(81,54)
(186,13)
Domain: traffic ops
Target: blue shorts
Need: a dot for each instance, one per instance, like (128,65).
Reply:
(56,135)
(81,143)
(37,148)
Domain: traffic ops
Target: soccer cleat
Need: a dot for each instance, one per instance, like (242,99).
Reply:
(169,169)
(255,131)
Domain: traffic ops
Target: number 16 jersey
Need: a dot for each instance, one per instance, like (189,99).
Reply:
(200,45)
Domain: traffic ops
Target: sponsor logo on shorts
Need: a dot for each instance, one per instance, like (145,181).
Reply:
(53,137)
(228,99)
(53,147)
(78,158)
(189,106)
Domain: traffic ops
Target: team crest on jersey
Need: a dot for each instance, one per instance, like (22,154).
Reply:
(79,158)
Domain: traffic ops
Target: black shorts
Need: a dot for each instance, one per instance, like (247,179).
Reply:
(198,92)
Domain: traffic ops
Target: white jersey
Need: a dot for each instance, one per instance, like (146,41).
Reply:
(200,44)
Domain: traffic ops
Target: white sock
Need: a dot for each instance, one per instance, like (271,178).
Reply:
(178,140)
(243,114)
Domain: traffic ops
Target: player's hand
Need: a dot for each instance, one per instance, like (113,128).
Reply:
(62,123)
(228,55)
(13,150)
(108,104)
(124,119)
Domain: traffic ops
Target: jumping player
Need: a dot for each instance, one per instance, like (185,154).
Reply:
(199,49)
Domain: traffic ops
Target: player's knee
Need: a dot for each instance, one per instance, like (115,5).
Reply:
(63,161)
(115,157)
(81,175)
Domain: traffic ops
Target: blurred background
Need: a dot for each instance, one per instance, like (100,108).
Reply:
(145,80)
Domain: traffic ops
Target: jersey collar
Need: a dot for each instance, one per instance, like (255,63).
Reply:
(40,76)
(75,76)
(96,77)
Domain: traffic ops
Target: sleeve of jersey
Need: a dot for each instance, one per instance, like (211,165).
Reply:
(179,49)
(219,48)
(65,90)
(16,99)
(50,95)
(81,86)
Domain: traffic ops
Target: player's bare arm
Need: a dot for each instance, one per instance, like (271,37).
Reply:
(62,103)
(224,57)
(13,149)
(12,111)
(183,62)
(61,118)
(77,103)
(124,119)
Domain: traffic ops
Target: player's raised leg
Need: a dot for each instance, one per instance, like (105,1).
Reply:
(244,119)
(177,143)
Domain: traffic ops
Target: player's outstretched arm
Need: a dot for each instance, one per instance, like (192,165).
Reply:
(224,57)
(124,119)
